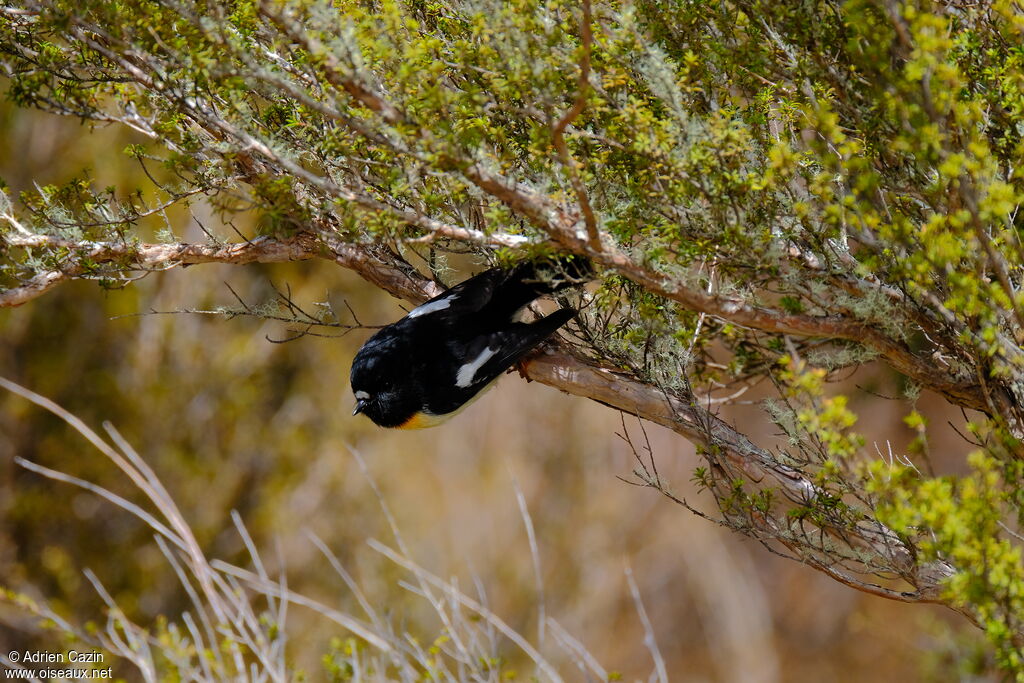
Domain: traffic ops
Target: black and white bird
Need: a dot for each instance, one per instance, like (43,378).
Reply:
(428,366)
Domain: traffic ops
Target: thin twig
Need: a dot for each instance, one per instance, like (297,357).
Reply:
(558,130)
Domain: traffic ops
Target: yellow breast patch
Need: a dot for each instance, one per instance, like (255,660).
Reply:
(423,420)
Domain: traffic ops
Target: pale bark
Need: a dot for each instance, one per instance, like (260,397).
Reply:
(145,257)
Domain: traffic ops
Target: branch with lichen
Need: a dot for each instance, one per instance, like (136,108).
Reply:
(725,447)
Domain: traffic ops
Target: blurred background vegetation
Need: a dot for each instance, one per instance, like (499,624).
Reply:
(232,421)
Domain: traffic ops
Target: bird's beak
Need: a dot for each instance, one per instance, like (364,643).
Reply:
(360,406)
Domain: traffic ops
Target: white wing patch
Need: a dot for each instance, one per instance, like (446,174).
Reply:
(432,306)
(468,371)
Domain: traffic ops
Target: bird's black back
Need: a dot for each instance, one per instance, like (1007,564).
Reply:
(501,292)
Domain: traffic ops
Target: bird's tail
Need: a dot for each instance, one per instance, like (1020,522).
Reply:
(534,279)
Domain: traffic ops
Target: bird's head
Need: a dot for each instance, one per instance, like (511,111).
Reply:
(382,393)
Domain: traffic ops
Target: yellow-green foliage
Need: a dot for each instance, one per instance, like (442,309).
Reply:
(960,519)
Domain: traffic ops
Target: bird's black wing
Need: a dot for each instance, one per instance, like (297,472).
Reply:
(469,296)
(492,354)
(498,293)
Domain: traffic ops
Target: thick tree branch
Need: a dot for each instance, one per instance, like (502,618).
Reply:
(736,310)
(574,376)
(147,257)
